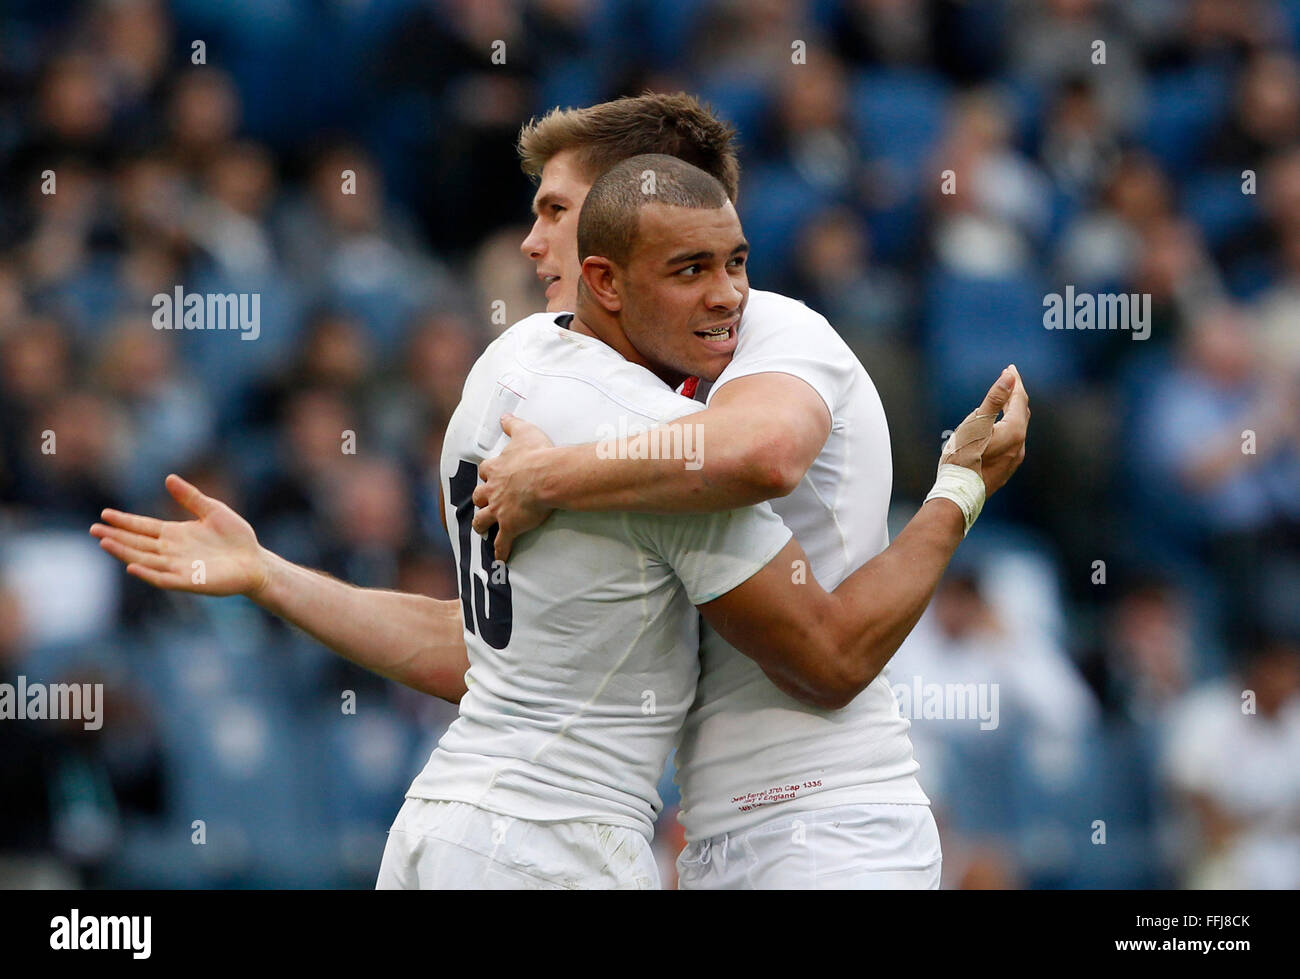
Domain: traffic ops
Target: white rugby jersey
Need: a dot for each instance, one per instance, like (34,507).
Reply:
(750,752)
(583,650)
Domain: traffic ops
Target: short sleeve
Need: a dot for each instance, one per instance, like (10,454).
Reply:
(712,553)
(784,336)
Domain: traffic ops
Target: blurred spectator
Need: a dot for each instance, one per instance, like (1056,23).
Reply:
(1279,307)
(1054,40)
(999,211)
(203,116)
(290,508)
(168,419)
(962,640)
(739,38)
(1101,248)
(229,220)
(66,455)
(504,288)
(370,511)
(1231,755)
(1267,116)
(883,32)
(1000,722)
(419,399)
(1216,440)
(836,276)
(466,108)
(1148,653)
(810,131)
(347,247)
(1080,146)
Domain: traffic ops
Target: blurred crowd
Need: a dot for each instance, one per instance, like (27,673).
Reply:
(924,173)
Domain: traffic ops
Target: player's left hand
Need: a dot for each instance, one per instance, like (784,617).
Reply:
(506,495)
(1005,450)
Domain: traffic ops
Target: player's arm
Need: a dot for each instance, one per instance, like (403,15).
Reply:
(415,640)
(825,648)
(757,438)
(754,442)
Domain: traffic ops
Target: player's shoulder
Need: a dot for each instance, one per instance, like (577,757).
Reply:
(781,334)
(777,322)
(772,308)
(503,349)
(518,335)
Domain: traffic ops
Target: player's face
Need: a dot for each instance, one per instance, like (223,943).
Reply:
(684,288)
(552,244)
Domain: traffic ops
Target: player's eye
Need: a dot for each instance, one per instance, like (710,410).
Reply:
(557,209)
(739,261)
(691,270)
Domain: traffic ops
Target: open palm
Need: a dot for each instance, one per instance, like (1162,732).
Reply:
(215,554)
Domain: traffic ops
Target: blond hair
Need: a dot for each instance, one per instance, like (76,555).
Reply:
(605,134)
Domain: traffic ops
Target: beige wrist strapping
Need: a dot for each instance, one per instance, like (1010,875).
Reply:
(963,486)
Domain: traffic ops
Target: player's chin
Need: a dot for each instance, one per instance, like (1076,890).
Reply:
(711,372)
(706,368)
(713,353)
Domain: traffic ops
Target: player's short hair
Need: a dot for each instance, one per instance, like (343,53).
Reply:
(611,216)
(602,135)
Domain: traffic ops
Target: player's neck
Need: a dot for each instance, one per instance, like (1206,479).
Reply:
(611,334)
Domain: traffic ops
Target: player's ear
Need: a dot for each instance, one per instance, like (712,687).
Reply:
(598,276)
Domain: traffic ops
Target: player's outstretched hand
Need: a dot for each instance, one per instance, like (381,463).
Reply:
(215,554)
(993,448)
(507,497)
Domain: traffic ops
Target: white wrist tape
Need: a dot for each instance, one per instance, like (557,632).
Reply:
(963,486)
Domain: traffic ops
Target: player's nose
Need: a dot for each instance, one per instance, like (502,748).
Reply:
(725,292)
(534,245)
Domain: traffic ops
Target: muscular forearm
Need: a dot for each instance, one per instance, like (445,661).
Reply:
(825,648)
(740,452)
(880,603)
(828,648)
(578,478)
(754,442)
(415,640)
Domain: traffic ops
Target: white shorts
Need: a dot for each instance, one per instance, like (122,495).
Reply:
(457,846)
(876,846)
